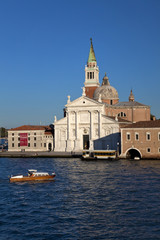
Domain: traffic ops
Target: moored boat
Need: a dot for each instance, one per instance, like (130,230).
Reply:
(99,154)
(33,175)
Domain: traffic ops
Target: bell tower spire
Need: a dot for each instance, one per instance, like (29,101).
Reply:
(91,73)
(91,57)
(131,97)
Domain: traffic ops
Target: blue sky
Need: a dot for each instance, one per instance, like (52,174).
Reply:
(44,47)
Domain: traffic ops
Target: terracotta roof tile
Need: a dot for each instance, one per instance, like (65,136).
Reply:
(145,124)
(129,104)
(30,128)
(119,119)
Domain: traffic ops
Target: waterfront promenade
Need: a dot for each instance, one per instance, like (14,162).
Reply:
(40,154)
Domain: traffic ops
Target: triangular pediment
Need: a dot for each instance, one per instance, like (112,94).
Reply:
(83,101)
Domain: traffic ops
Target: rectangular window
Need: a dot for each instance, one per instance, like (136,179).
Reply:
(136,136)
(12,139)
(12,134)
(29,139)
(18,144)
(45,145)
(87,75)
(12,144)
(34,133)
(128,136)
(28,144)
(158,136)
(19,139)
(34,138)
(34,144)
(93,75)
(159,150)
(148,136)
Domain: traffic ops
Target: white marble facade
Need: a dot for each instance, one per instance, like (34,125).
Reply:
(85,127)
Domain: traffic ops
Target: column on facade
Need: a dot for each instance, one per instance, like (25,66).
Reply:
(68,127)
(68,144)
(99,124)
(91,124)
(91,130)
(76,125)
(77,140)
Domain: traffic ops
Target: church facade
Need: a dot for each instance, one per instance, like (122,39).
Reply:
(86,126)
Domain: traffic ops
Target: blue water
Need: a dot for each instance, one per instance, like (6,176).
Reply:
(88,200)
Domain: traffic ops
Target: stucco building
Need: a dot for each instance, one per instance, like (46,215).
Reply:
(30,138)
(141,139)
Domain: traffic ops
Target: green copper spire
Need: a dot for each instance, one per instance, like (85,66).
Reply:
(91,57)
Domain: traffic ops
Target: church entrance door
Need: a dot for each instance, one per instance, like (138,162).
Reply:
(49,146)
(85,141)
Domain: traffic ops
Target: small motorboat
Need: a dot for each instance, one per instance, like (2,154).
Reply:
(33,175)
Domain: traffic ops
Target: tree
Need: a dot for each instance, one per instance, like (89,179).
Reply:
(3,132)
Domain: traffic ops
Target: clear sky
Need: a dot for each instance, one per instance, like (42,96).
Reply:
(44,47)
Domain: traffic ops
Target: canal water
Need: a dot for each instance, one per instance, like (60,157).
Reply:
(88,200)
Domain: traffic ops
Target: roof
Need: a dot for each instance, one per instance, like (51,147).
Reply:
(119,119)
(91,57)
(145,124)
(106,92)
(31,128)
(129,104)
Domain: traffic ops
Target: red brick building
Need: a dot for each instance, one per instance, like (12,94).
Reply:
(130,110)
(141,139)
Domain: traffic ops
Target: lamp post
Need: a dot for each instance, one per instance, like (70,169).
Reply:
(117,149)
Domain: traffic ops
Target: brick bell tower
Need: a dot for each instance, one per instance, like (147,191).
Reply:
(91,74)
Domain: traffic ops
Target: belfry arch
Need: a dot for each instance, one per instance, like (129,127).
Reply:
(133,153)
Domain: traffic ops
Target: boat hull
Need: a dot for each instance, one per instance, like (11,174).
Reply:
(26,178)
(99,158)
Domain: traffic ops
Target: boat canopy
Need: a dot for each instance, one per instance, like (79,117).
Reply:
(32,170)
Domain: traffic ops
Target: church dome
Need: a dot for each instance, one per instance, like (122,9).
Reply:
(106,92)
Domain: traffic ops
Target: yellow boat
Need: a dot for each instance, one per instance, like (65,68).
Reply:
(99,154)
(33,175)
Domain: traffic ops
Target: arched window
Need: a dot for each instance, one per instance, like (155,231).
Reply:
(121,114)
(90,75)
